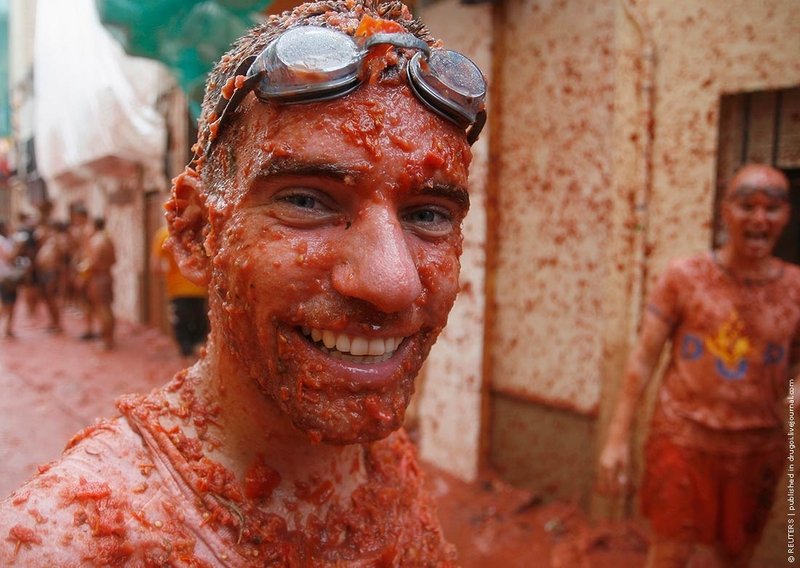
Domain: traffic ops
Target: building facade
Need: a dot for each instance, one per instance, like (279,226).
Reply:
(613,125)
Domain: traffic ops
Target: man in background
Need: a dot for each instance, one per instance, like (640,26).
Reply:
(188,309)
(80,231)
(10,277)
(96,265)
(51,263)
(716,446)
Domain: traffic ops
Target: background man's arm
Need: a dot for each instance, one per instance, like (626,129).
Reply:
(615,456)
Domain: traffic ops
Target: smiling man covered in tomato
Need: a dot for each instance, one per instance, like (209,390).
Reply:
(716,447)
(323,211)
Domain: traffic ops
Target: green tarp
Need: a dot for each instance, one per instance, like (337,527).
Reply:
(186,35)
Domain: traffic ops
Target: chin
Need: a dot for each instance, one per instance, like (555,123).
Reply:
(347,418)
(340,402)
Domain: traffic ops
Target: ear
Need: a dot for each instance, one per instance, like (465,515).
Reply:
(187,218)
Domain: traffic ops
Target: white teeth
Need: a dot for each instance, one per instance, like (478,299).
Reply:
(343,343)
(358,349)
(360,346)
(377,346)
(329,339)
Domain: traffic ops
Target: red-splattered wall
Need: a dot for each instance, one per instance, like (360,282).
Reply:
(452,383)
(552,203)
(604,161)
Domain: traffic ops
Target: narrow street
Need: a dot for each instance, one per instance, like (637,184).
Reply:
(56,384)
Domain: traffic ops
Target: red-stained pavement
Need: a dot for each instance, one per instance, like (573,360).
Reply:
(53,385)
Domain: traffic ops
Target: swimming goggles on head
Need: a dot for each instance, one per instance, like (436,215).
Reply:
(772,191)
(310,63)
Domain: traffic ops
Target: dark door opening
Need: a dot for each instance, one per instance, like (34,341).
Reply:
(788,247)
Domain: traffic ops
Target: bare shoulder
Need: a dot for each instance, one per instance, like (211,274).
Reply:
(687,269)
(72,513)
(791,274)
(690,265)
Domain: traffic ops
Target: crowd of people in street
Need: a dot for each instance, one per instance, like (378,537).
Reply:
(54,263)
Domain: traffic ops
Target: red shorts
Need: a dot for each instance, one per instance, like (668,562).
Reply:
(695,496)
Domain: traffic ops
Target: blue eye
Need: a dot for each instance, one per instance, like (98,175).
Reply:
(301,200)
(429,221)
(425,216)
(303,207)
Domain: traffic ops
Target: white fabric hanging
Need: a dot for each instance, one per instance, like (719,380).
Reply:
(92,101)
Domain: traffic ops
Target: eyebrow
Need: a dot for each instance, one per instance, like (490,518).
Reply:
(455,193)
(291,167)
(339,172)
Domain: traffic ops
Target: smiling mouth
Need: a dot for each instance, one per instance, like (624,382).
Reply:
(757,236)
(353,348)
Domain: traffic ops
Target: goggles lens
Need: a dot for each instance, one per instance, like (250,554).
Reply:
(450,83)
(311,63)
(306,62)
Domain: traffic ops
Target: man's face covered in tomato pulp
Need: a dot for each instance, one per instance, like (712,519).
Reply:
(334,253)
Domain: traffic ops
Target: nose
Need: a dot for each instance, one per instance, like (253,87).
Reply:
(759,216)
(376,264)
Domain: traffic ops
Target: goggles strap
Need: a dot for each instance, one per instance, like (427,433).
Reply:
(407,41)
(223,103)
(236,98)
(475,130)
